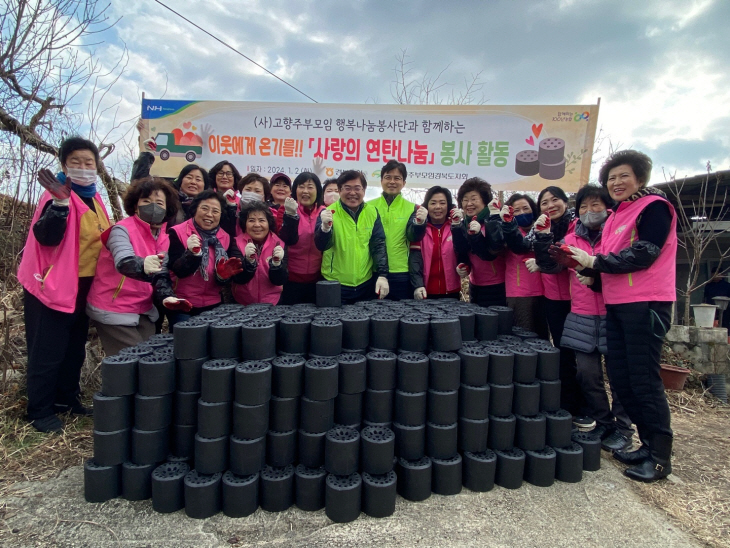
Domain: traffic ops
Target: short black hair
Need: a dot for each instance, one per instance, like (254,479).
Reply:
(555,191)
(439,190)
(394,164)
(74,143)
(192,167)
(328,182)
(250,207)
(220,165)
(475,184)
(533,206)
(207,194)
(256,177)
(639,162)
(593,191)
(351,175)
(143,188)
(303,178)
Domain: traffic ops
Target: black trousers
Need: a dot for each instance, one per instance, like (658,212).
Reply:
(635,335)
(488,295)
(571,396)
(399,286)
(362,292)
(56,352)
(297,293)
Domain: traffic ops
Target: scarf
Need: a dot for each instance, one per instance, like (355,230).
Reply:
(208,238)
(558,228)
(82,191)
(646,191)
(185,202)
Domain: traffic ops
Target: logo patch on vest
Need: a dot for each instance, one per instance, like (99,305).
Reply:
(620,229)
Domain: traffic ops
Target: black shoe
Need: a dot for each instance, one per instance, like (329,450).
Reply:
(601,431)
(584,424)
(75,409)
(616,441)
(632,457)
(48,425)
(658,465)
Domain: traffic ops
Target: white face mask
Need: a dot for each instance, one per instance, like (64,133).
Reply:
(82,177)
(330,197)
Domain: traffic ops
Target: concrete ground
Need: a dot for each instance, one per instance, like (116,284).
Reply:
(603,510)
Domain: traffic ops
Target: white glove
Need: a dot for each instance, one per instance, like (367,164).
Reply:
(421,215)
(584,258)
(420,294)
(544,222)
(457,215)
(277,255)
(318,167)
(462,270)
(531,265)
(326,217)
(194,245)
(230,197)
(152,264)
(585,280)
(250,252)
(290,206)
(474,227)
(494,207)
(61,203)
(381,287)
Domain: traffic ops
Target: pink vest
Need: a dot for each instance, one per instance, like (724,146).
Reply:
(448,256)
(51,273)
(194,288)
(656,283)
(519,281)
(556,287)
(583,300)
(113,292)
(305,260)
(259,289)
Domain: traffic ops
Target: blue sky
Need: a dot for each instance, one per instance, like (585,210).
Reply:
(660,67)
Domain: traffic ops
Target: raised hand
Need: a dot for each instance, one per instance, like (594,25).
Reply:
(60,192)
(290,206)
(277,255)
(326,216)
(194,244)
(250,252)
(227,268)
(542,225)
(421,214)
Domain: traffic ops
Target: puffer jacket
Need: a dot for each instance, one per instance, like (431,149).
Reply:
(584,333)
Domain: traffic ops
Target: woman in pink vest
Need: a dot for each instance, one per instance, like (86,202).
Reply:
(297,232)
(524,288)
(132,270)
(262,254)
(199,255)
(556,221)
(225,178)
(637,262)
(432,260)
(63,246)
(585,326)
(480,236)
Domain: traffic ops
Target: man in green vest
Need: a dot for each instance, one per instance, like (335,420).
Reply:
(395,213)
(352,240)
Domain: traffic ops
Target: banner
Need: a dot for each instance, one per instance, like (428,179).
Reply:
(526,147)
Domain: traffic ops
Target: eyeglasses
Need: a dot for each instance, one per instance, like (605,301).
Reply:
(391,178)
(226,174)
(351,189)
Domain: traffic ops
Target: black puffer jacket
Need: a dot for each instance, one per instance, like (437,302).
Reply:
(584,333)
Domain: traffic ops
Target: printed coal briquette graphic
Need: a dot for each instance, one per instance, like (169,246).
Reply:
(548,161)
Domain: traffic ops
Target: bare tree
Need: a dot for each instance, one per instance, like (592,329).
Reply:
(410,88)
(701,228)
(46,61)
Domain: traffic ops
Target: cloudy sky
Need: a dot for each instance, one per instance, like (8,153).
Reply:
(660,67)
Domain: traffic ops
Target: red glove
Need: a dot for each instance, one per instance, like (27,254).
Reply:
(173,303)
(57,189)
(542,225)
(509,215)
(471,229)
(562,255)
(226,269)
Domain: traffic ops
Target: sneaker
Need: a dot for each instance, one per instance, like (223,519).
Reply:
(616,441)
(75,409)
(584,424)
(601,431)
(48,425)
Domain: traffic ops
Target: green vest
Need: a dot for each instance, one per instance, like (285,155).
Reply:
(348,260)
(395,218)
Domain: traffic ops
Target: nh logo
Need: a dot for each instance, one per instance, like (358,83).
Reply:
(154,107)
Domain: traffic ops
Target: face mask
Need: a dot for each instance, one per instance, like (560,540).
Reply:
(330,198)
(82,177)
(593,219)
(151,213)
(248,196)
(524,219)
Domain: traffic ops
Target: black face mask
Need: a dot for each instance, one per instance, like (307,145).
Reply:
(524,219)
(151,213)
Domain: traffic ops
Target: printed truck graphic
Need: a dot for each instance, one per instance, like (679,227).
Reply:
(168,145)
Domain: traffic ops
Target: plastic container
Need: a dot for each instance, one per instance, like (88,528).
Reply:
(479,470)
(202,494)
(343,495)
(101,483)
(704,314)
(240,494)
(309,488)
(217,380)
(444,372)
